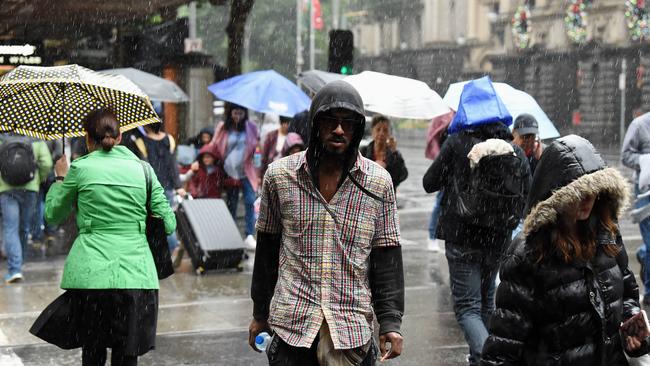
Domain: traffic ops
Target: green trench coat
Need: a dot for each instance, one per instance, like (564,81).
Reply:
(111,251)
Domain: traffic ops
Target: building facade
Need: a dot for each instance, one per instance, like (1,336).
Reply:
(570,66)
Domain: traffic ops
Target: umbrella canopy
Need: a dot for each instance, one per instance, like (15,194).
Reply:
(314,80)
(263,91)
(156,88)
(397,96)
(515,100)
(479,105)
(51,102)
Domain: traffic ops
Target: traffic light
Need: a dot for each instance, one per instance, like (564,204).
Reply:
(341,52)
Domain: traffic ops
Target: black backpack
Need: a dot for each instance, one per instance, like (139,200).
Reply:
(17,162)
(494,194)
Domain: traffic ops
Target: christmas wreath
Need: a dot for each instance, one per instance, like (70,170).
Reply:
(576,20)
(637,19)
(521,26)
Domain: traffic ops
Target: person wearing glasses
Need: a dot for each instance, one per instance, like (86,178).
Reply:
(328,250)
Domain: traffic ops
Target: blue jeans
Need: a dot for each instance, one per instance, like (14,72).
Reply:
(41,228)
(172,240)
(644,226)
(232,196)
(17,216)
(435,215)
(472,274)
(518,229)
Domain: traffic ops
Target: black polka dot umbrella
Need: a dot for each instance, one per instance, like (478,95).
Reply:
(51,102)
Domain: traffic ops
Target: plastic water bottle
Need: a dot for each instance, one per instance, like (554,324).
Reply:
(262,341)
(257,157)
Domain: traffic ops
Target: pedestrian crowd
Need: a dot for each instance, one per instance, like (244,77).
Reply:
(538,270)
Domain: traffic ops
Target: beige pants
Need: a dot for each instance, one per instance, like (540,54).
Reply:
(328,356)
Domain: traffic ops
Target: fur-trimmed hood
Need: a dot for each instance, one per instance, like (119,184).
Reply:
(569,170)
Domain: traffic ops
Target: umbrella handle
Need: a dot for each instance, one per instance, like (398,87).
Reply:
(62,85)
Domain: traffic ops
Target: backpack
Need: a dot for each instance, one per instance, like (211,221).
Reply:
(17,162)
(494,194)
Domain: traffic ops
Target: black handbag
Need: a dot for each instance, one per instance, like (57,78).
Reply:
(156,235)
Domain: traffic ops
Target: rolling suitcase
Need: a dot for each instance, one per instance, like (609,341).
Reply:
(209,235)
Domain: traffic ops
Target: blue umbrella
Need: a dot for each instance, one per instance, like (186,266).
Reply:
(515,100)
(479,104)
(263,91)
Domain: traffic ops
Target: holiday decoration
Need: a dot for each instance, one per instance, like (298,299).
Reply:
(521,26)
(637,19)
(576,20)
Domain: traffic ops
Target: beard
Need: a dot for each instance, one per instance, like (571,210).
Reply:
(328,153)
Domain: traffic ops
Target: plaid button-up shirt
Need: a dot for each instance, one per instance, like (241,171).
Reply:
(324,255)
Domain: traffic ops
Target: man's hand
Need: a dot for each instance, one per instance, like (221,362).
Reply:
(181,192)
(195,166)
(257,327)
(395,339)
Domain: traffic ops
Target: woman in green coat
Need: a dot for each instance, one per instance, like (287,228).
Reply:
(110,276)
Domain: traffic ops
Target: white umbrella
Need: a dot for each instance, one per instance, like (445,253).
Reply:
(157,88)
(396,96)
(517,102)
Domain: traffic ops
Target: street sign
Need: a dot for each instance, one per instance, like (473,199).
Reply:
(19,54)
(193,45)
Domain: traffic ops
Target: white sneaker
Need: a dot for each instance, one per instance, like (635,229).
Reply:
(433,245)
(16,277)
(250,242)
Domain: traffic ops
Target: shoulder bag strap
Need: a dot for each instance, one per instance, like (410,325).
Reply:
(147,176)
(142,148)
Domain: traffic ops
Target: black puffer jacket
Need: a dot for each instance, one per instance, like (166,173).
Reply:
(452,165)
(550,312)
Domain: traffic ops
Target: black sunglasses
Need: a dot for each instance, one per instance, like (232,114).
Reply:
(331,122)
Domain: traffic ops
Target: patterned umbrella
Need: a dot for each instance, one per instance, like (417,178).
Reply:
(51,102)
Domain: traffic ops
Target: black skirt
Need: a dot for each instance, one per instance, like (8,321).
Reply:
(120,319)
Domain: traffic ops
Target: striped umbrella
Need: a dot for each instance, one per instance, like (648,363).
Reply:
(51,102)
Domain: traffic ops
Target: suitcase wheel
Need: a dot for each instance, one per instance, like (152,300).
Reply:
(200,270)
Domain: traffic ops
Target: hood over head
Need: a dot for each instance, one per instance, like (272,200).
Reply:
(335,95)
(479,104)
(210,149)
(569,170)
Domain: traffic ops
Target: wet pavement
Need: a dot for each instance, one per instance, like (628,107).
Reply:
(203,320)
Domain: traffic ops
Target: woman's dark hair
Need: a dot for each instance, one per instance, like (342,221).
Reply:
(562,241)
(154,127)
(230,124)
(102,128)
(379,119)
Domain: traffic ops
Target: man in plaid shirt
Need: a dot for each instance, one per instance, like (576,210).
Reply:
(328,250)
